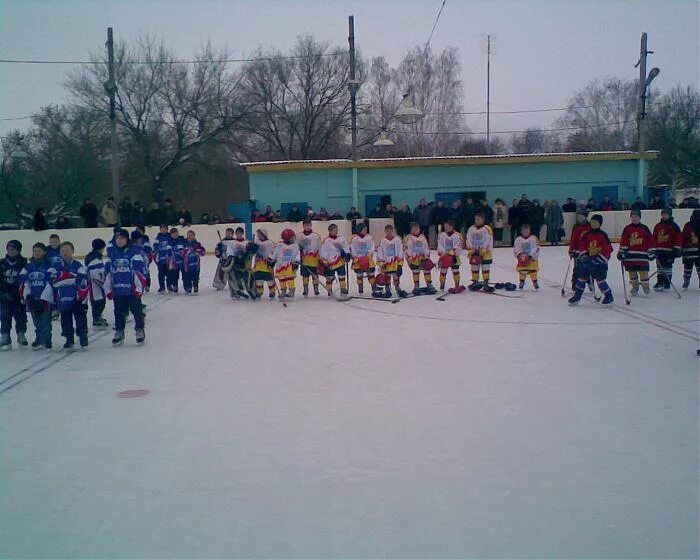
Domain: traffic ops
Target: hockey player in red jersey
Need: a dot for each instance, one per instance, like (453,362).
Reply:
(581,227)
(690,248)
(595,248)
(636,250)
(667,245)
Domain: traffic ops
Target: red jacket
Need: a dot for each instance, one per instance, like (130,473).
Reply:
(690,242)
(637,244)
(667,236)
(575,248)
(595,243)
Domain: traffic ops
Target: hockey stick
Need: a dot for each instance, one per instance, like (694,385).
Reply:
(624,284)
(662,273)
(566,275)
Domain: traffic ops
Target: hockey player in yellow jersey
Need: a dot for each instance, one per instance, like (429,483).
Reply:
(335,252)
(262,267)
(362,263)
(390,259)
(449,248)
(309,246)
(527,251)
(417,252)
(479,247)
(286,258)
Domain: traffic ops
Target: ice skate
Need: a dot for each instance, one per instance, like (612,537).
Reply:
(22,339)
(5,342)
(118,338)
(140,336)
(608,298)
(83,340)
(536,284)
(521,284)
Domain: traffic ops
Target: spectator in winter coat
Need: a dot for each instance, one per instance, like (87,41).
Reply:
(353,214)
(61,223)
(569,206)
(215,218)
(606,205)
(39,221)
(638,204)
(536,218)
(377,212)
(88,213)
(110,214)
(204,218)
(125,209)
(513,220)
(500,219)
(487,211)
(184,217)
(155,216)
(336,215)
(402,220)
(295,215)
(591,205)
(421,215)
(555,220)
(440,215)
(623,205)
(138,214)
(170,216)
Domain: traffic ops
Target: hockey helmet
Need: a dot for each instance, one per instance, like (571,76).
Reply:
(287,235)
(382,279)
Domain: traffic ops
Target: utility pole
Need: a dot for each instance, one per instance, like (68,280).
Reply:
(354,86)
(111,89)
(644,82)
(488,94)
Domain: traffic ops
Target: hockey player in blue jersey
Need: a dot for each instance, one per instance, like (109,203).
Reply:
(95,265)
(145,243)
(70,284)
(37,294)
(161,251)
(126,282)
(176,261)
(193,253)
(11,308)
(53,257)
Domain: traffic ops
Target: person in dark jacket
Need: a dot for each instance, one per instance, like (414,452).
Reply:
(138,214)
(353,214)
(440,215)
(638,204)
(88,213)
(40,223)
(125,209)
(184,217)
(607,205)
(402,220)
(62,223)
(295,215)
(487,211)
(569,205)
(170,216)
(536,218)
(469,211)
(155,215)
(514,220)
(11,308)
(421,215)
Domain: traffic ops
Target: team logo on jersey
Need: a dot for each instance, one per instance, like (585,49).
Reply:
(662,237)
(635,239)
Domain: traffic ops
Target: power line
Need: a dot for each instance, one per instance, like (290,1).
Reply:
(226,60)
(437,18)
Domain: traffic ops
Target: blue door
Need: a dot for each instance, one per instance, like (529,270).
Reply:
(371,200)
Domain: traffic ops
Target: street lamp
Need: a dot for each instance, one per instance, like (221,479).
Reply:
(406,113)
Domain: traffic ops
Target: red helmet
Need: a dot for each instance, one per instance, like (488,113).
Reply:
(287,234)
(382,279)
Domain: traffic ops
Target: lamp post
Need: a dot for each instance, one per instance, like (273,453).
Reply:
(644,82)
(405,113)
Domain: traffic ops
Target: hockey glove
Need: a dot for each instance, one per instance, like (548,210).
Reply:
(621,255)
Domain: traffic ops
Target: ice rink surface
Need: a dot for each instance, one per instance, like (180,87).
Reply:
(476,427)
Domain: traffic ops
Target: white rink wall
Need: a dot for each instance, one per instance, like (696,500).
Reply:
(613,224)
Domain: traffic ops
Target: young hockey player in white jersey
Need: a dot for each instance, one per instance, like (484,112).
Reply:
(527,251)
(390,259)
(335,252)
(417,253)
(262,267)
(95,265)
(448,249)
(309,246)
(362,252)
(479,247)
(286,257)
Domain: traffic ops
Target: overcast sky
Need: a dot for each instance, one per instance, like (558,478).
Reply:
(544,50)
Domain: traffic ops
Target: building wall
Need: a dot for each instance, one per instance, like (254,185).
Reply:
(332,188)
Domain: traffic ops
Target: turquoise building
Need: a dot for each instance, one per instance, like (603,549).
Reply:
(343,183)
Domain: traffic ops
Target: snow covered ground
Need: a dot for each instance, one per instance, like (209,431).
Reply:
(476,427)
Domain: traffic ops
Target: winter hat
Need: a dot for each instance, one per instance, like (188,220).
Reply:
(262,233)
(668,211)
(598,218)
(98,244)
(121,232)
(135,235)
(16,245)
(636,212)
(583,212)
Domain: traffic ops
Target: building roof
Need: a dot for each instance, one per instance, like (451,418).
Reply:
(303,165)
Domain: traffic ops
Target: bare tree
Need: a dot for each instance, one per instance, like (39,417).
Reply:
(167,111)
(299,106)
(604,115)
(535,141)
(674,130)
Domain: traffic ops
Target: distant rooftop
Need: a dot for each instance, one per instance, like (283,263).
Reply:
(300,165)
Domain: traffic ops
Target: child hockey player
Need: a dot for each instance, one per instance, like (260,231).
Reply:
(94,263)
(237,267)
(309,247)
(145,242)
(667,246)
(262,269)
(636,250)
(527,251)
(11,308)
(71,286)
(691,248)
(595,250)
(479,247)
(220,276)
(126,281)
(334,253)
(286,258)
(575,251)
(53,257)
(362,252)
(193,254)
(448,249)
(162,251)
(176,261)
(37,293)
(390,259)
(417,253)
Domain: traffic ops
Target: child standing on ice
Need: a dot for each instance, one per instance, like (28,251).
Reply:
(262,269)
(667,247)
(334,253)
(690,248)
(162,251)
(390,259)
(70,282)
(527,251)
(362,264)
(37,293)
(95,266)
(286,258)
(575,251)
(449,247)
(176,260)
(479,247)
(11,308)
(192,255)
(593,263)
(636,250)
(309,247)
(417,253)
